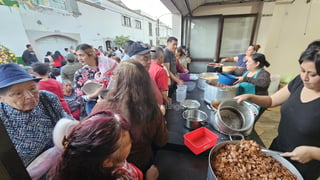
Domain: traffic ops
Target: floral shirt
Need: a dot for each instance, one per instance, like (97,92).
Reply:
(128,172)
(31,132)
(81,76)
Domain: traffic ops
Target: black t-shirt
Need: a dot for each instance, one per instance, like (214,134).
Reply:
(170,58)
(299,125)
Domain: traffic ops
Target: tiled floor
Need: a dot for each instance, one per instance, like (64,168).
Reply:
(267,125)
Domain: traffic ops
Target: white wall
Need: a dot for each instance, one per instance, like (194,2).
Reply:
(292,28)
(94,26)
(12,30)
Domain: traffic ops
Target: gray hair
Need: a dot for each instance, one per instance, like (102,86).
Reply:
(156,52)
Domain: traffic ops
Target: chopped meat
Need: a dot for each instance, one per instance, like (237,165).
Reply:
(246,161)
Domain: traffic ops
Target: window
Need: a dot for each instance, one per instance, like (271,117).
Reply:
(126,21)
(150,29)
(138,24)
(158,28)
(203,37)
(236,37)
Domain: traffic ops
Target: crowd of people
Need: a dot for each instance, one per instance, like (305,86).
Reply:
(115,130)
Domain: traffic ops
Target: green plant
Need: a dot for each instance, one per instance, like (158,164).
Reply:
(6,55)
(120,40)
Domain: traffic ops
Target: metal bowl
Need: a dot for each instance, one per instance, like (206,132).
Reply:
(194,118)
(283,161)
(190,104)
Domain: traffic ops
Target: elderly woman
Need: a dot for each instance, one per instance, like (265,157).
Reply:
(71,98)
(28,114)
(299,128)
(137,104)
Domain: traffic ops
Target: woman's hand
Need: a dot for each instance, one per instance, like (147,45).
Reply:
(96,93)
(243,97)
(240,79)
(302,154)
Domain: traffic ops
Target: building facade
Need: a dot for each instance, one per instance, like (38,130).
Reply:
(51,25)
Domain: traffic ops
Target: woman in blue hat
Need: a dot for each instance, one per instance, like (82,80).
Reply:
(28,114)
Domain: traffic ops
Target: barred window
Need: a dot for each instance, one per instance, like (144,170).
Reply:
(150,29)
(126,21)
(138,24)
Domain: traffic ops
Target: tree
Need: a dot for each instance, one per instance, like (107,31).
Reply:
(120,40)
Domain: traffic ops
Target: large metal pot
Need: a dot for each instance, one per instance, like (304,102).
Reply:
(215,91)
(284,162)
(233,118)
(194,118)
(203,77)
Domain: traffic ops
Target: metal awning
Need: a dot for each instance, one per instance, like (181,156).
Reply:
(186,7)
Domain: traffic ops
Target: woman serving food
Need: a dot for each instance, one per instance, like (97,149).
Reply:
(299,128)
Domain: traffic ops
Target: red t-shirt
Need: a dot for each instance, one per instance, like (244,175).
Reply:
(57,62)
(159,75)
(56,88)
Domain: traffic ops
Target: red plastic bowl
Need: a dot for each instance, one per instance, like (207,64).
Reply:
(200,140)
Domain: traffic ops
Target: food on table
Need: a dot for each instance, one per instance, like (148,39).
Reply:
(208,76)
(246,161)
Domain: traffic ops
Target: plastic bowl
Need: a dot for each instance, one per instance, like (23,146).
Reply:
(190,85)
(227,79)
(200,140)
(90,87)
(185,76)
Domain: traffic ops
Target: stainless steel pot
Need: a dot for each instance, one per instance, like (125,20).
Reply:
(194,118)
(203,77)
(233,118)
(284,162)
(215,91)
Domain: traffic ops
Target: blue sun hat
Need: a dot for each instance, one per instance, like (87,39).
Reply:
(11,74)
(138,48)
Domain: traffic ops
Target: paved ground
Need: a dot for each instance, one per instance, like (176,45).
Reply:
(267,125)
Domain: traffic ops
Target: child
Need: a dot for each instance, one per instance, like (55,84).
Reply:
(97,148)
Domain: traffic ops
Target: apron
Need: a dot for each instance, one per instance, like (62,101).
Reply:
(249,88)
(246,87)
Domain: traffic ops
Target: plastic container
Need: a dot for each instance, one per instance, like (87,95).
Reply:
(181,93)
(227,79)
(90,87)
(200,140)
(190,85)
